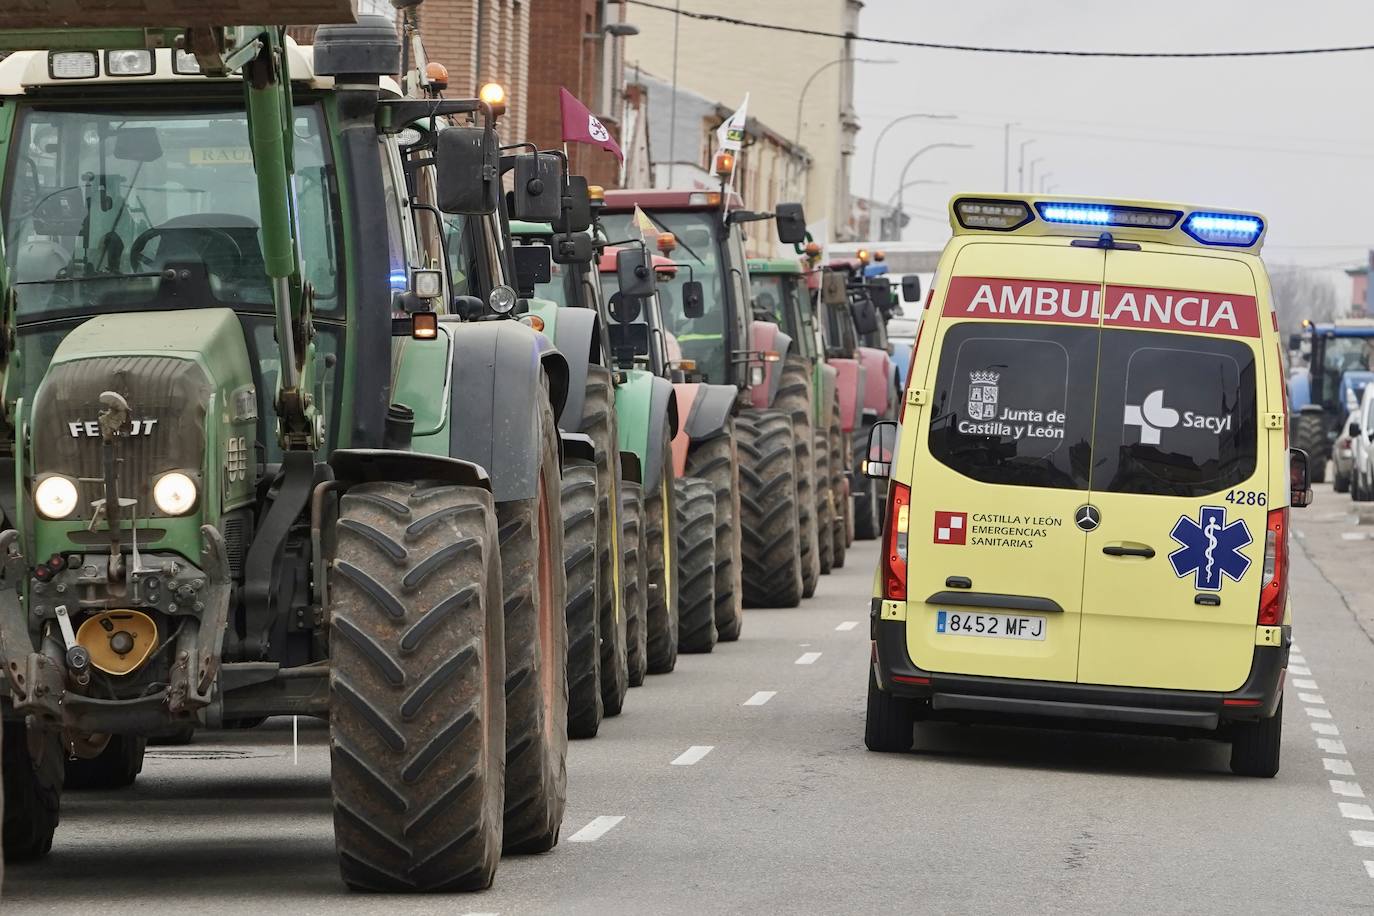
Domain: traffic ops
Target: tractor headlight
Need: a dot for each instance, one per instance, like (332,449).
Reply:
(55,497)
(174,493)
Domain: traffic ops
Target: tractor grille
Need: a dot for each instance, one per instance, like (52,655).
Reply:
(167,400)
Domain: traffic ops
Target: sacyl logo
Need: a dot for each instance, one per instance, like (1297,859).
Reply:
(1151,416)
(79,428)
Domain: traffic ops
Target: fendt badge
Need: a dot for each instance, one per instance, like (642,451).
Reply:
(91,428)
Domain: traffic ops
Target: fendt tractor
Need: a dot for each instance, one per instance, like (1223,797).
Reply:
(1331,350)
(779,558)
(263,462)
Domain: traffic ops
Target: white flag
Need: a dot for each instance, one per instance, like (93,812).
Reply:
(730,135)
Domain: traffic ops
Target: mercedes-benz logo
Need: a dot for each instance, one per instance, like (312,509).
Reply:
(1087,517)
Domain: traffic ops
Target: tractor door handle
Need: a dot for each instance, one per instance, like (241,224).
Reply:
(1129,550)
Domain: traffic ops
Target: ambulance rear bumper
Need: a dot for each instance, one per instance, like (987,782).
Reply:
(969,696)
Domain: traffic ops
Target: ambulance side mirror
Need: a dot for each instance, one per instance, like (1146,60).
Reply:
(911,288)
(1299,479)
(882,447)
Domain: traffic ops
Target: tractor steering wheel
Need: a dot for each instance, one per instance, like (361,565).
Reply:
(212,237)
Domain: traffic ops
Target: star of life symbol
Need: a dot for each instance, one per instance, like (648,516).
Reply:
(1210,548)
(982,394)
(1151,416)
(597,129)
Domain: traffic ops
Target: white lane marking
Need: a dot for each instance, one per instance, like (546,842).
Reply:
(1356,812)
(1354,535)
(758,699)
(1304,684)
(481,914)
(1300,669)
(1331,745)
(1324,728)
(1317,712)
(1362,837)
(1369,868)
(1346,788)
(598,828)
(1297,658)
(1302,535)
(1294,647)
(1333,516)
(1316,699)
(693,754)
(847,626)
(1339,767)
(808,658)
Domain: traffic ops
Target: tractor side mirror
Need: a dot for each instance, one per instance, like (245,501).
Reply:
(573,248)
(467,170)
(833,288)
(911,288)
(137,144)
(576,215)
(1299,479)
(791,221)
(537,194)
(634,273)
(865,317)
(1295,341)
(533,265)
(882,447)
(693,299)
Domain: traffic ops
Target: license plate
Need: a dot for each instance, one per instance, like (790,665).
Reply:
(998,626)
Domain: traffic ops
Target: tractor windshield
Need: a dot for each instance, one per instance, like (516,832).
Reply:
(1342,355)
(100,200)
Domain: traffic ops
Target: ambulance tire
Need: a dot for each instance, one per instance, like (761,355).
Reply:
(33,791)
(839,493)
(794,399)
(115,767)
(868,524)
(636,581)
(660,557)
(1255,746)
(716,461)
(825,505)
(769,526)
(696,565)
(1309,434)
(583,620)
(890,723)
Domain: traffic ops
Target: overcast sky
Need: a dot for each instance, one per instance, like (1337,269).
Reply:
(1291,137)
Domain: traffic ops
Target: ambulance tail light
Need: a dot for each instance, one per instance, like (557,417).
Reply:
(894,542)
(1274,585)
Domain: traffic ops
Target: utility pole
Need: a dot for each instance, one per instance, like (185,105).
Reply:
(672,104)
(1021,168)
(1030,185)
(1006,157)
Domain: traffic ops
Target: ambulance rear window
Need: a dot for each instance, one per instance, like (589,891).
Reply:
(1176,414)
(1013,404)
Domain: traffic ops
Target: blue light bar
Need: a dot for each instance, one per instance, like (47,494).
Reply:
(1230,230)
(1108,215)
(398,280)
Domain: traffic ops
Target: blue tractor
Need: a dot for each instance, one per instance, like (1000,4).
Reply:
(1315,396)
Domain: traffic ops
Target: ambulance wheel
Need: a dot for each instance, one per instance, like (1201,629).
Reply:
(584,627)
(696,565)
(1255,745)
(33,790)
(1309,434)
(716,461)
(825,505)
(636,581)
(115,767)
(891,721)
(772,568)
(794,399)
(660,558)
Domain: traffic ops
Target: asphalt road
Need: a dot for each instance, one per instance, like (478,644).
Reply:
(739,784)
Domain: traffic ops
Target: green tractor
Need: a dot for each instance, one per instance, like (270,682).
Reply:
(276,451)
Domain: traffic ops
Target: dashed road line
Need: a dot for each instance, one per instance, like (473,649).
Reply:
(1369,868)
(1317,712)
(1302,670)
(1339,767)
(1362,838)
(847,626)
(1331,745)
(697,751)
(1346,788)
(1324,728)
(1314,704)
(1354,535)
(598,828)
(808,658)
(1315,699)
(1303,684)
(758,699)
(1356,812)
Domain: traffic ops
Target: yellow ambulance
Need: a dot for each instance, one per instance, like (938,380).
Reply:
(1089,495)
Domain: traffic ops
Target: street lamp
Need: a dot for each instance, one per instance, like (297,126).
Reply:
(1021,166)
(901,185)
(1030,185)
(891,201)
(801,98)
(873,174)
(1044,181)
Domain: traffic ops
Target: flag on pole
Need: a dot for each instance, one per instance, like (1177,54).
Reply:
(581,126)
(730,134)
(646,227)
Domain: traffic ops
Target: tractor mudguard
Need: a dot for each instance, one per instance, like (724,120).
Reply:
(849,380)
(498,369)
(577,335)
(707,409)
(364,465)
(827,379)
(631,471)
(878,379)
(768,337)
(576,447)
(644,405)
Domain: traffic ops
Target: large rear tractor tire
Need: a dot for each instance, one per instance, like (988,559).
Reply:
(583,621)
(536,594)
(417,720)
(825,503)
(716,461)
(772,567)
(33,772)
(868,523)
(794,399)
(660,557)
(115,767)
(696,562)
(636,581)
(599,423)
(1309,434)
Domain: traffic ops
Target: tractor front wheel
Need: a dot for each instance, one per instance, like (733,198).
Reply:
(33,768)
